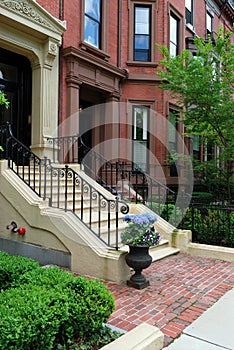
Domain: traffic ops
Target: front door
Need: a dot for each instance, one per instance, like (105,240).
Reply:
(16,83)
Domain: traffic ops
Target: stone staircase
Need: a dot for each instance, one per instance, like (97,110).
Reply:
(90,202)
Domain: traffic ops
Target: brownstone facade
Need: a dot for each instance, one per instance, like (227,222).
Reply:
(121,66)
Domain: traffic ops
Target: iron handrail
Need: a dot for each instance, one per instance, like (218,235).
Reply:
(62,187)
(127,180)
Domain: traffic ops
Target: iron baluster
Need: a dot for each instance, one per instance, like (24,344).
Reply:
(44,197)
(117,223)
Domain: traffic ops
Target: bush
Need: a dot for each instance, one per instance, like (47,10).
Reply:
(49,308)
(30,317)
(12,267)
(97,306)
(168,212)
(50,277)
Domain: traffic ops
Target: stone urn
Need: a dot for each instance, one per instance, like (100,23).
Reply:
(138,259)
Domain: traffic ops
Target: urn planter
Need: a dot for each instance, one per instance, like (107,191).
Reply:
(139,259)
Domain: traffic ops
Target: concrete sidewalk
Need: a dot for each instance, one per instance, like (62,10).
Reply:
(213,330)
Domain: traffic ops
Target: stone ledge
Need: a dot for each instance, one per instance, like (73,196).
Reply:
(143,337)
(209,251)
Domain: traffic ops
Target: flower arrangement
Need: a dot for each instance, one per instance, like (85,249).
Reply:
(140,230)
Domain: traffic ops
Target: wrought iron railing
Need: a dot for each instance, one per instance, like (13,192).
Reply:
(65,149)
(124,179)
(211,223)
(64,188)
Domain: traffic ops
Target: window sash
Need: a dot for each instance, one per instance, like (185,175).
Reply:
(140,136)
(142,33)
(92,23)
(188,5)
(189,11)
(172,131)
(209,23)
(174,25)
(140,115)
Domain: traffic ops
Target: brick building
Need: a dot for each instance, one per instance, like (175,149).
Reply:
(60,58)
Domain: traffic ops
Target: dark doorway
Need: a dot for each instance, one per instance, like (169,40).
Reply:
(91,107)
(85,122)
(16,83)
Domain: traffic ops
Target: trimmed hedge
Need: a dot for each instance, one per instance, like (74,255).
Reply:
(12,267)
(51,277)
(49,308)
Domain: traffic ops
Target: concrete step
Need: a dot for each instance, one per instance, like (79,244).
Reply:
(159,253)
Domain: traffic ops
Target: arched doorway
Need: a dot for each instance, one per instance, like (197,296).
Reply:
(16,83)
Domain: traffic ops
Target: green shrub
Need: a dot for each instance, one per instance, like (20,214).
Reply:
(30,317)
(97,299)
(51,277)
(202,195)
(168,212)
(97,308)
(12,267)
(51,308)
(216,227)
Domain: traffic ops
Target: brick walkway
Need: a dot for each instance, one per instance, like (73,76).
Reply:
(181,288)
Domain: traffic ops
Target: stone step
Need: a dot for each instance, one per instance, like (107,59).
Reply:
(159,253)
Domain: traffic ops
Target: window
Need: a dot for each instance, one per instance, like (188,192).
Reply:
(142,38)
(140,136)
(209,24)
(174,35)
(172,139)
(189,11)
(196,147)
(92,23)
(142,29)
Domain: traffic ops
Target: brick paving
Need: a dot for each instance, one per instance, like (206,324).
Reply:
(181,288)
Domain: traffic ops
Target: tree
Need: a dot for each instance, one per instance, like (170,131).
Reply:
(203,87)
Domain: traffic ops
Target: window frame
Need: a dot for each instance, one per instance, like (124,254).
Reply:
(196,150)
(173,111)
(190,13)
(172,12)
(96,21)
(145,139)
(102,51)
(153,27)
(210,14)
(148,35)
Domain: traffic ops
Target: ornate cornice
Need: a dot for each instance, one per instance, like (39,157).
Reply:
(28,10)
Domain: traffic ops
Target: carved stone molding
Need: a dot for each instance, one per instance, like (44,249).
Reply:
(27,9)
(51,51)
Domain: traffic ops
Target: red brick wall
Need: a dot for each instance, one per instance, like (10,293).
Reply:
(52,6)
(138,89)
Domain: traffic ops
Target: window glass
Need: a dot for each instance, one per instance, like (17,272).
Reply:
(209,22)
(142,20)
(92,9)
(91,32)
(189,11)
(188,5)
(140,121)
(172,139)
(142,39)
(173,36)
(92,23)
(196,143)
(172,130)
